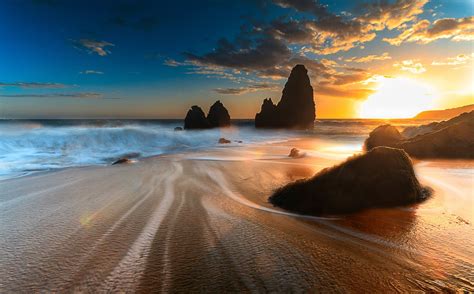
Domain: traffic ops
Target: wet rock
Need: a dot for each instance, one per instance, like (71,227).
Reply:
(295,153)
(218,115)
(195,119)
(382,177)
(385,135)
(296,108)
(448,139)
(223,141)
(238,141)
(122,161)
(178,129)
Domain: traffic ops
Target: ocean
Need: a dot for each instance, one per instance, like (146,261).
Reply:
(28,146)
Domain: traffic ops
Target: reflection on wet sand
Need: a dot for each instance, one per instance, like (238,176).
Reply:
(202,222)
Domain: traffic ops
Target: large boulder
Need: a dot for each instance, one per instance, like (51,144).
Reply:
(385,135)
(452,141)
(218,115)
(195,119)
(453,138)
(296,108)
(382,177)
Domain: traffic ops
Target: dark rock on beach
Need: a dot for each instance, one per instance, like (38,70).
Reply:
(295,153)
(453,138)
(196,119)
(296,108)
(382,177)
(122,161)
(218,115)
(223,141)
(178,129)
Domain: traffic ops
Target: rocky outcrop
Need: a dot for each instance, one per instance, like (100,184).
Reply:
(195,119)
(295,153)
(382,177)
(385,135)
(296,108)
(445,113)
(448,139)
(218,115)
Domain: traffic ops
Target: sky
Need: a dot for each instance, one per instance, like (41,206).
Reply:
(155,59)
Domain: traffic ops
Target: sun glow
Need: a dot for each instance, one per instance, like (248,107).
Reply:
(398,98)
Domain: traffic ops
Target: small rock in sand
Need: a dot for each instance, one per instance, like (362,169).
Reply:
(122,160)
(295,153)
(224,141)
(178,129)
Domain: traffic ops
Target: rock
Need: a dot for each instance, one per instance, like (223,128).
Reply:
(178,129)
(238,141)
(267,114)
(453,141)
(224,141)
(445,113)
(382,177)
(385,135)
(122,161)
(448,139)
(296,108)
(195,119)
(295,153)
(411,132)
(218,115)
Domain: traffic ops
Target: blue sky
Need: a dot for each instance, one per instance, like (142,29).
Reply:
(155,59)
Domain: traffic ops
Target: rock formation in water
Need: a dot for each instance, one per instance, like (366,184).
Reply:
(448,139)
(218,115)
(296,108)
(382,177)
(196,119)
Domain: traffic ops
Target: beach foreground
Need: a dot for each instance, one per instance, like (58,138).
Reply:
(201,221)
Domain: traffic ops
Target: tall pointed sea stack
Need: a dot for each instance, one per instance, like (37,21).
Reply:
(296,108)
(218,115)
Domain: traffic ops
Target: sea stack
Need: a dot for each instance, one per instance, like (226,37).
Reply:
(218,115)
(382,177)
(296,108)
(196,119)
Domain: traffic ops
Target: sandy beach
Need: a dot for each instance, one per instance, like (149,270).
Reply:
(200,221)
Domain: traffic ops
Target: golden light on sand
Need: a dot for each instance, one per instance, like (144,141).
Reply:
(398,98)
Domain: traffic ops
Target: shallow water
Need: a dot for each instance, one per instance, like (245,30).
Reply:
(199,220)
(28,146)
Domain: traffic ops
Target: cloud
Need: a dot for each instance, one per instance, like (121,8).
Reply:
(54,95)
(338,92)
(391,15)
(369,58)
(91,72)
(457,60)
(34,85)
(243,90)
(93,46)
(456,29)
(411,65)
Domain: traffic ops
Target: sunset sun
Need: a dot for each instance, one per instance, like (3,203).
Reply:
(398,98)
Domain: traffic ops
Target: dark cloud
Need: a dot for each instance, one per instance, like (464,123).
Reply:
(34,85)
(246,89)
(265,54)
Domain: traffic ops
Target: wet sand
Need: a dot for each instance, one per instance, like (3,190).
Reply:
(201,222)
